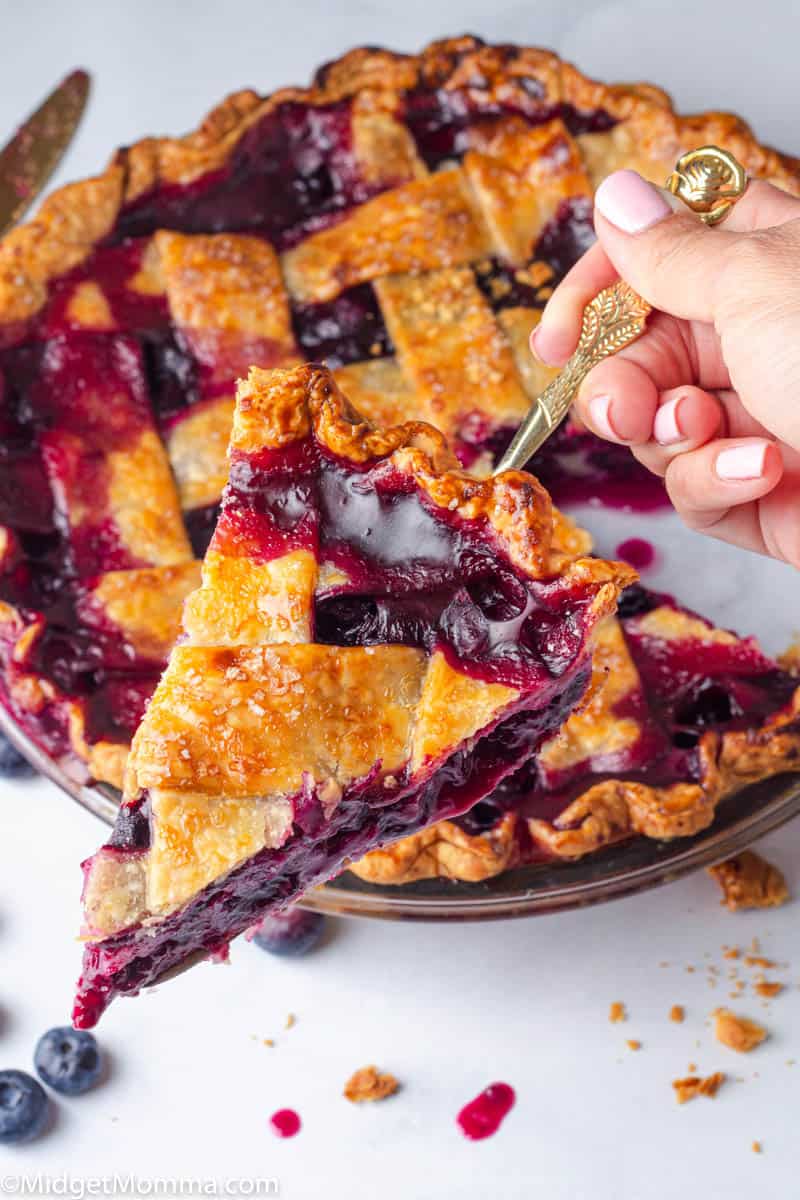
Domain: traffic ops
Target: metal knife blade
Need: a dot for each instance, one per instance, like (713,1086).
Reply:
(29,159)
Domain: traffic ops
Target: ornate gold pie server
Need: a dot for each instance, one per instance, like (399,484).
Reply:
(709,180)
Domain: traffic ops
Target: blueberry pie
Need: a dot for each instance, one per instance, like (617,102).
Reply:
(401,221)
(378,640)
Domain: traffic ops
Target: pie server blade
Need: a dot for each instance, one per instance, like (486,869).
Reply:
(29,159)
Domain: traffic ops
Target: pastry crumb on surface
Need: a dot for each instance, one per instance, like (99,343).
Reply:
(290,1021)
(758,960)
(749,881)
(617,1012)
(768,987)
(677,1013)
(730,951)
(633,1044)
(368,1083)
(693,1085)
(268,1042)
(756,1147)
(737,1033)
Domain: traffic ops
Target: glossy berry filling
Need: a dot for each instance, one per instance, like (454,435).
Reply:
(411,572)
(578,468)
(64,403)
(348,329)
(294,171)
(566,236)
(688,688)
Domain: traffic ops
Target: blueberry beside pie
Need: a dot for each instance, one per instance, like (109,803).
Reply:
(378,640)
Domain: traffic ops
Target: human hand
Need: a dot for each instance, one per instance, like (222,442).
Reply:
(709,396)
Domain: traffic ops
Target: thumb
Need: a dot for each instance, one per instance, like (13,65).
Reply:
(666,253)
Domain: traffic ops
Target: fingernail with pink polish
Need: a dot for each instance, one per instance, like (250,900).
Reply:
(742,462)
(599,411)
(533,342)
(630,202)
(666,429)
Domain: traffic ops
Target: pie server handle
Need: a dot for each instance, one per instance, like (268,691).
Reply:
(709,180)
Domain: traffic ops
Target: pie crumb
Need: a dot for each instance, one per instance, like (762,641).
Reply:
(677,1013)
(758,960)
(756,1147)
(617,1012)
(268,1042)
(730,951)
(686,1089)
(368,1083)
(768,987)
(737,1033)
(749,881)
(290,1021)
(633,1044)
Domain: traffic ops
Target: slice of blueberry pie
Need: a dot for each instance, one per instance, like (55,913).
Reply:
(378,640)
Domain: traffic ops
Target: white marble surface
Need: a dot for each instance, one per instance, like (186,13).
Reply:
(447,1009)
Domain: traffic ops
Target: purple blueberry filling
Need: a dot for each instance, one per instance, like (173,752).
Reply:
(348,329)
(293,171)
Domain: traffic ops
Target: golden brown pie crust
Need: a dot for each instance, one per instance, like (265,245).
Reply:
(650,133)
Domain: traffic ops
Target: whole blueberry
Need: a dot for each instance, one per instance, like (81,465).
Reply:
(289,933)
(12,763)
(23,1107)
(68,1060)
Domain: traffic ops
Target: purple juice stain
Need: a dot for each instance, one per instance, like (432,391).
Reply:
(484,1115)
(637,552)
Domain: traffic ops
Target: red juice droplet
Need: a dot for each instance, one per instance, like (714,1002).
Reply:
(637,552)
(285,1122)
(483,1116)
